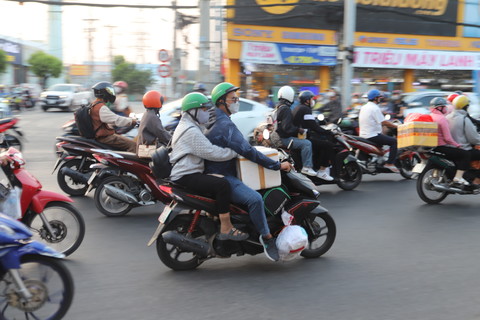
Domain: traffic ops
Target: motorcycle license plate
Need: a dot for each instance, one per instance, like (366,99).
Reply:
(166,212)
(51,101)
(418,168)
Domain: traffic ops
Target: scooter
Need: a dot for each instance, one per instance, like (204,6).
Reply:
(49,215)
(10,134)
(34,283)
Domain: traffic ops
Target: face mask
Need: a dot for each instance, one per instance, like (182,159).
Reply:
(117,89)
(312,103)
(233,107)
(202,116)
(355,100)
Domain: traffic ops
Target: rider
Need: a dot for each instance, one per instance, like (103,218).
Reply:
(103,118)
(321,147)
(446,144)
(121,102)
(371,121)
(224,133)
(189,149)
(151,130)
(200,87)
(288,131)
(333,107)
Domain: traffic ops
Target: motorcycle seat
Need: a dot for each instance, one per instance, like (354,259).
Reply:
(368,141)
(82,140)
(132,156)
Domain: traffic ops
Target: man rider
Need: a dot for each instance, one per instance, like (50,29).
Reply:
(333,107)
(225,134)
(371,121)
(103,119)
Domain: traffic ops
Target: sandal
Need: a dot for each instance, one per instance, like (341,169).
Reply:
(234,234)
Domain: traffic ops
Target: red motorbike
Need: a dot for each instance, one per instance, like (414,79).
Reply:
(50,216)
(10,135)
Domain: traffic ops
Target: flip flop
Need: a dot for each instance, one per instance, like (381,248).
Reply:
(239,236)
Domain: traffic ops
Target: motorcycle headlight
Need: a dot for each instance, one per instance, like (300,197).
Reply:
(63,97)
(43,95)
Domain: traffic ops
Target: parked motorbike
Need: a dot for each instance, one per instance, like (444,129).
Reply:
(34,283)
(186,234)
(10,134)
(49,215)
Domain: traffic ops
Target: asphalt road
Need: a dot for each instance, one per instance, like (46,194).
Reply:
(394,258)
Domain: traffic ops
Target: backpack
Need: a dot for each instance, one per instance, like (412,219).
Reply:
(274,200)
(84,121)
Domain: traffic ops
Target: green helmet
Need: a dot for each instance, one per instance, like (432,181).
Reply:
(195,100)
(221,90)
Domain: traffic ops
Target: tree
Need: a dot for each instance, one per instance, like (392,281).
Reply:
(138,80)
(3,61)
(45,66)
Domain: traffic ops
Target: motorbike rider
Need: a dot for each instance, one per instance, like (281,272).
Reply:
(446,144)
(103,119)
(120,106)
(200,87)
(321,147)
(224,133)
(371,120)
(398,104)
(287,131)
(151,130)
(333,107)
(190,148)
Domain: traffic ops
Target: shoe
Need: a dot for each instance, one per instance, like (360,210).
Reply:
(322,174)
(461,181)
(270,248)
(234,234)
(308,171)
(391,167)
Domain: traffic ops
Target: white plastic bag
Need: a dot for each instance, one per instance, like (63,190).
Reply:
(11,204)
(291,241)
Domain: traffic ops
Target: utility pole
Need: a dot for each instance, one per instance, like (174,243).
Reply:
(110,46)
(349,21)
(90,30)
(203,73)
(175,56)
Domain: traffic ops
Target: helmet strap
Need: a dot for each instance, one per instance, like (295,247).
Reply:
(194,116)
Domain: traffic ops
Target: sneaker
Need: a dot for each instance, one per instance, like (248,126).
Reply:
(461,181)
(309,171)
(322,174)
(270,248)
(391,167)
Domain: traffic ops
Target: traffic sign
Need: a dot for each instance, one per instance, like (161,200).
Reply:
(163,55)
(164,70)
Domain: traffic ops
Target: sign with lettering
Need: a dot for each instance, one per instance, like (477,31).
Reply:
(13,51)
(416,59)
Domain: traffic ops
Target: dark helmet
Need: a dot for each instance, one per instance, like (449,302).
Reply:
(199,87)
(104,90)
(438,102)
(304,96)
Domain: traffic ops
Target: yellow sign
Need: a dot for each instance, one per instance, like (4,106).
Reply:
(277,9)
(79,70)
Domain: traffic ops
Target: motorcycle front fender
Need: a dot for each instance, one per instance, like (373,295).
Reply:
(43,197)
(11,260)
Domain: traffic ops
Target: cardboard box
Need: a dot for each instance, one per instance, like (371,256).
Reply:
(416,134)
(254,175)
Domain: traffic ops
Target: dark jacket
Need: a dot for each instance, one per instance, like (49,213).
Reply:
(334,109)
(303,117)
(285,126)
(225,134)
(151,129)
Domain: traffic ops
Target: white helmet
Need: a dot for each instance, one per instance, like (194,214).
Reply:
(287,93)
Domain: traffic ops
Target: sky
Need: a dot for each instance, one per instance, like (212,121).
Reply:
(30,22)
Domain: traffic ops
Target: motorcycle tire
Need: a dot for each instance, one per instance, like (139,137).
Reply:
(107,205)
(67,184)
(320,226)
(350,176)
(170,255)
(406,166)
(50,283)
(423,185)
(67,223)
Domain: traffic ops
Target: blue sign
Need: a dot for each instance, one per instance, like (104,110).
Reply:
(295,54)
(13,51)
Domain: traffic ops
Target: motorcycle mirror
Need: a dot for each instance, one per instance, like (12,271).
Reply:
(266,134)
(339,120)
(321,117)
(388,117)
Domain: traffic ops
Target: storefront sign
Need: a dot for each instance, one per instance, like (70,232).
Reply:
(291,54)
(13,51)
(416,59)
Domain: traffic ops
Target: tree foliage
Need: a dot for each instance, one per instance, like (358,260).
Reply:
(3,61)
(45,66)
(138,80)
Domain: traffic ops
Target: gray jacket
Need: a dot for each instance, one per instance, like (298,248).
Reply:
(463,130)
(151,129)
(190,151)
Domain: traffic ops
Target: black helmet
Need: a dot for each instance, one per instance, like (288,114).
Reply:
(304,96)
(104,90)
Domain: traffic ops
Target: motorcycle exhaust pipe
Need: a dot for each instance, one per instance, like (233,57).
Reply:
(442,188)
(75,175)
(201,248)
(120,194)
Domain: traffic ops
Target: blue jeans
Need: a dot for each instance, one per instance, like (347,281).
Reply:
(246,196)
(305,147)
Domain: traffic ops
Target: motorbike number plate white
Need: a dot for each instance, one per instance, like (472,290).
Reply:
(90,180)
(166,212)
(418,168)
(50,101)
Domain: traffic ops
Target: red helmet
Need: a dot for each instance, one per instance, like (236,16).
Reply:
(452,96)
(152,99)
(121,84)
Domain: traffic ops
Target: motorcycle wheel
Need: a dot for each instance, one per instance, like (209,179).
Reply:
(350,176)
(406,166)
(11,141)
(67,184)
(321,230)
(67,223)
(49,282)
(173,257)
(107,205)
(425,189)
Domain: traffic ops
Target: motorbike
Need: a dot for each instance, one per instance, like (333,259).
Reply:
(49,215)
(435,180)
(10,134)
(34,283)
(186,234)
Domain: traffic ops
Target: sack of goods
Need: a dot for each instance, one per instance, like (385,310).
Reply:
(415,133)
(254,175)
(291,241)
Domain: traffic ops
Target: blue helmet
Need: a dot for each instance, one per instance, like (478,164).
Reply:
(372,94)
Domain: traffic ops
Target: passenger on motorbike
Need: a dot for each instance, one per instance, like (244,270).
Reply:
(371,121)
(323,152)
(120,106)
(190,148)
(446,144)
(103,119)
(224,133)
(151,130)
(288,131)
